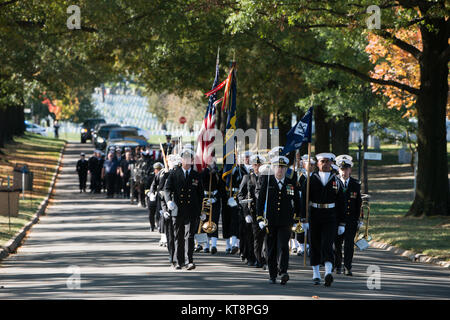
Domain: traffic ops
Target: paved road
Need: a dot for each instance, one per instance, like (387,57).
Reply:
(119,258)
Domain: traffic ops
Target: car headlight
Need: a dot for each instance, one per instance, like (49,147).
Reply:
(83,130)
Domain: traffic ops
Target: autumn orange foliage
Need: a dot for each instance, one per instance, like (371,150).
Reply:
(393,63)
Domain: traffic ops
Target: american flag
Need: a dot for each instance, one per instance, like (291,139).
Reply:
(205,140)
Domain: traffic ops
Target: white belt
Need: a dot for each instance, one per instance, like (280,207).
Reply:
(322,205)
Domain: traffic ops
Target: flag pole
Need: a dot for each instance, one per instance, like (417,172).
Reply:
(307,201)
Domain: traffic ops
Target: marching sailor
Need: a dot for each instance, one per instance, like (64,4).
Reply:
(230,211)
(151,196)
(352,192)
(302,179)
(279,197)
(327,212)
(217,193)
(165,221)
(247,197)
(184,195)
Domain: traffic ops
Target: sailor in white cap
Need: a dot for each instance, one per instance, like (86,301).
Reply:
(278,203)
(184,196)
(151,196)
(352,192)
(274,152)
(245,160)
(326,199)
(210,176)
(82,170)
(302,179)
(253,236)
(188,146)
(163,214)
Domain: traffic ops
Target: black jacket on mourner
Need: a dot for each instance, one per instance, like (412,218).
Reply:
(332,192)
(282,204)
(186,193)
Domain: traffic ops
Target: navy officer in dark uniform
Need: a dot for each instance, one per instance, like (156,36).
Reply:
(352,192)
(247,198)
(326,200)
(281,196)
(184,196)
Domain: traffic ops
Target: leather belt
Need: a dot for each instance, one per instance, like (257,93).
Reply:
(322,205)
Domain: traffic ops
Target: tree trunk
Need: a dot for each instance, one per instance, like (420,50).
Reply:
(432,189)
(339,136)
(262,123)
(364,171)
(251,118)
(322,129)
(284,125)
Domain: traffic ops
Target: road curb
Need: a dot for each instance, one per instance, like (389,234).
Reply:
(12,245)
(412,256)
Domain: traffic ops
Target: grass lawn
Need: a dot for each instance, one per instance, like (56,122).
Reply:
(391,184)
(430,236)
(41,155)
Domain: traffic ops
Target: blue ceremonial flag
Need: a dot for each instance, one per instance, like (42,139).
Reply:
(229,156)
(299,133)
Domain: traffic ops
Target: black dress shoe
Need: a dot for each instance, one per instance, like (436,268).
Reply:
(316,281)
(348,272)
(328,280)
(190,266)
(198,249)
(213,250)
(284,278)
(272,281)
(264,267)
(206,250)
(234,250)
(178,267)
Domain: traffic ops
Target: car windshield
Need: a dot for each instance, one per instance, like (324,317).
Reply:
(120,134)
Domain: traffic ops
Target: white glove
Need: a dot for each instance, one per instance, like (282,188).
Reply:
(232,203)
(305,227)
(171,205)
(262,225)
(152,196)
(341,230)
(360,224)
(248,219)
(166,215)
(203,217)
